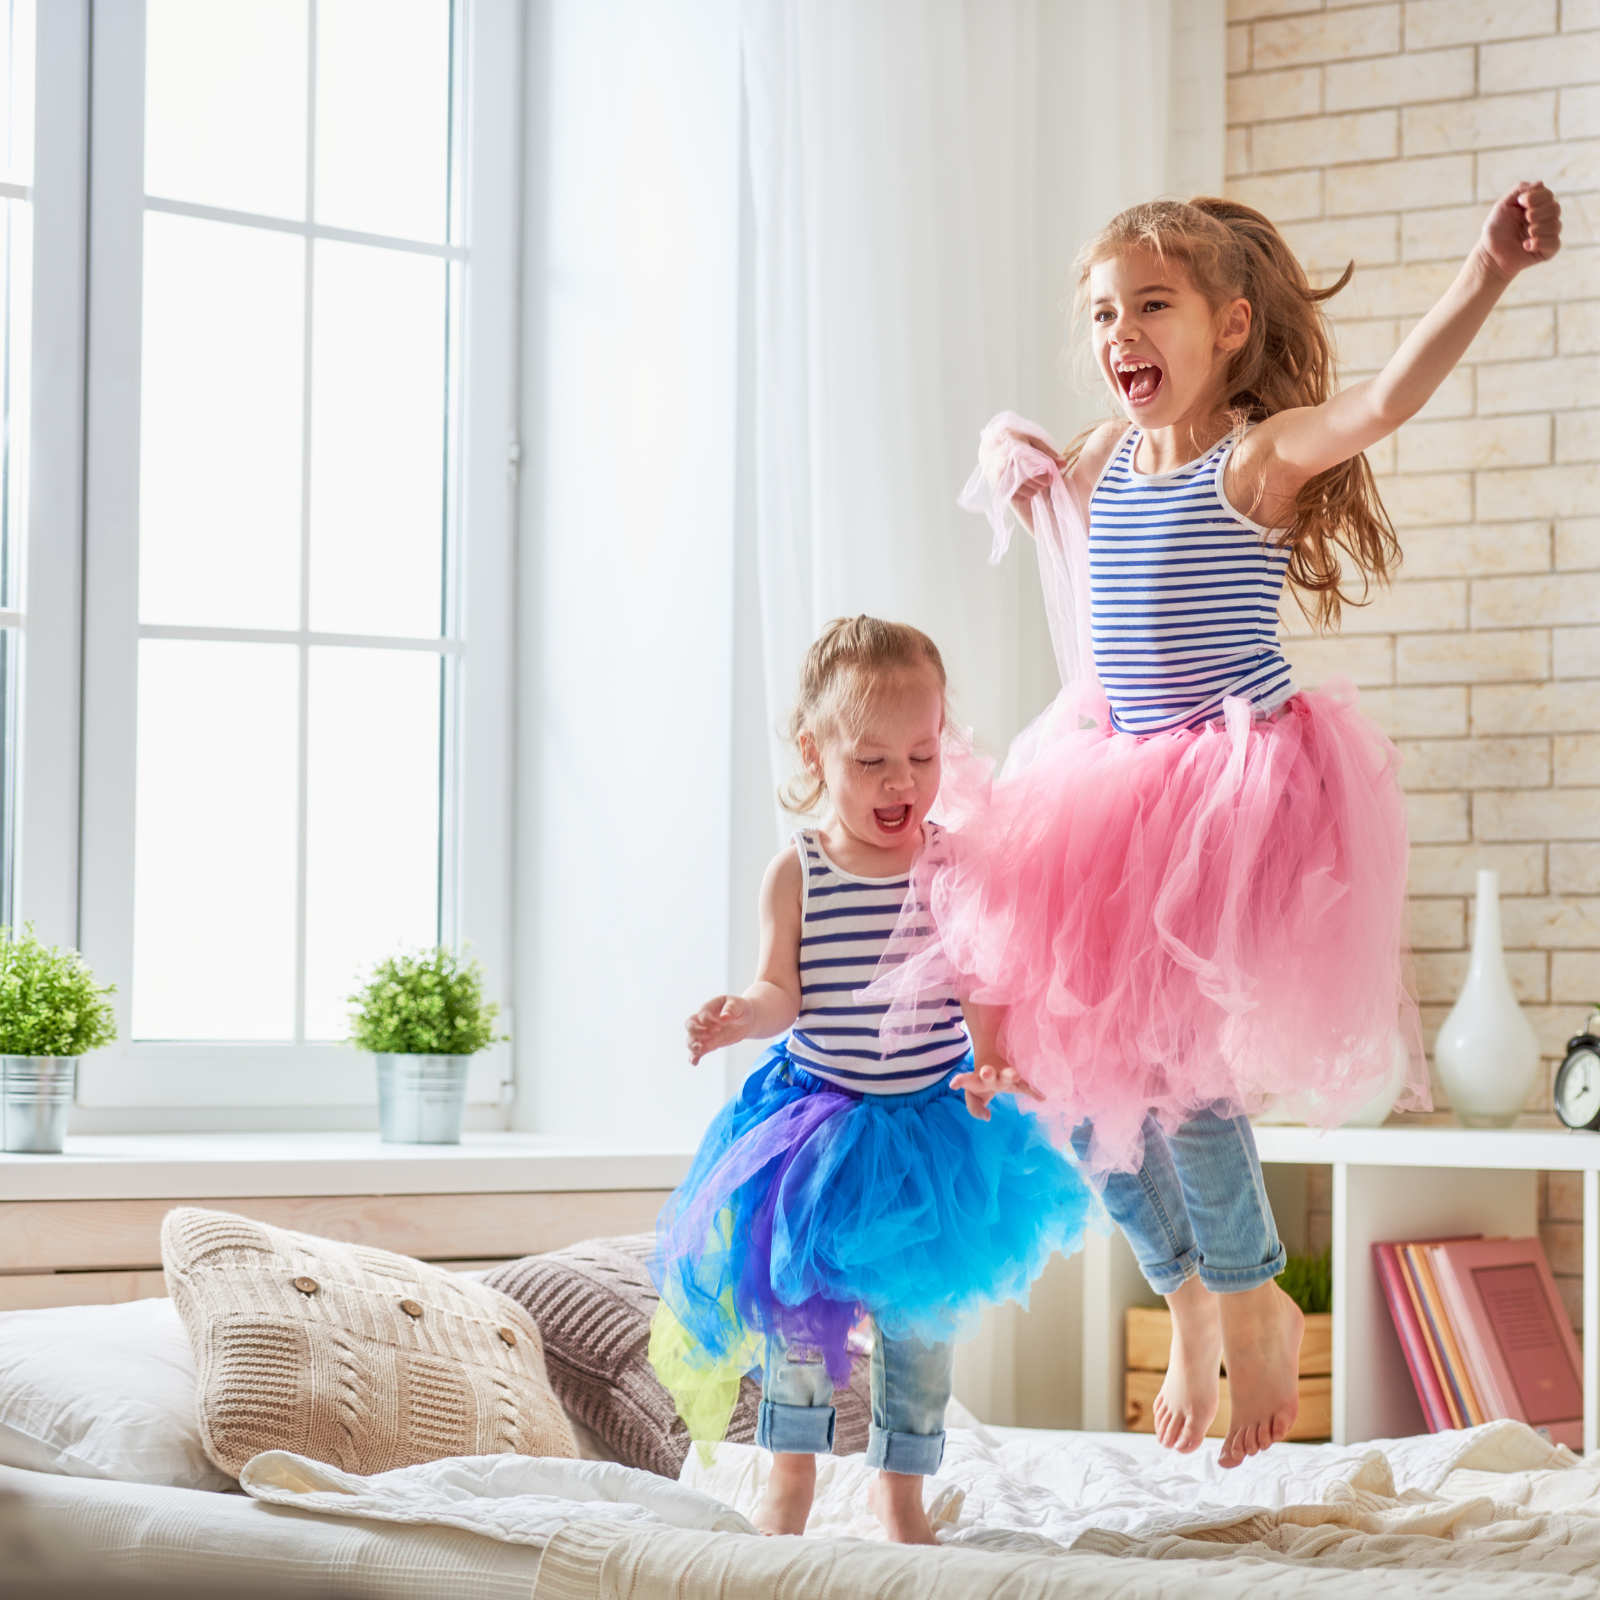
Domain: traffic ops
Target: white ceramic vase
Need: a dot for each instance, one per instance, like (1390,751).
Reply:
(1487,1053)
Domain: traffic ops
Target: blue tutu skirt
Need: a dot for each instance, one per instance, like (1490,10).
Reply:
(809,1208)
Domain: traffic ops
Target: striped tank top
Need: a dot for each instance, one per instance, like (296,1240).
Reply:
(845,924)
(1183,595)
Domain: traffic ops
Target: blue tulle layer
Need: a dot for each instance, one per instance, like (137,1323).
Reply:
(808,1208)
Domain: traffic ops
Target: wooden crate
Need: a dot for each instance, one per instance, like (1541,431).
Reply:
(1149,1333)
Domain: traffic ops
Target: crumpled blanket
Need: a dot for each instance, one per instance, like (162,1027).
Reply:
(518,1499)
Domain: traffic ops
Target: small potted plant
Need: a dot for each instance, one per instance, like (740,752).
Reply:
(423,1017)
(51,1012)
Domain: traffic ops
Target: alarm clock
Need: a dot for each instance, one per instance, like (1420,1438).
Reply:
(1577,1093)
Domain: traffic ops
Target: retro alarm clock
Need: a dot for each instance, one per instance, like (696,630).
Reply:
(1577,1093)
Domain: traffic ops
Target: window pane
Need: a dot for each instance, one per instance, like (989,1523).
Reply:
(377,453)
(214,853)
(16,89)
(372,864)
(219,490)
(16,312)
(383,116)
(225,103)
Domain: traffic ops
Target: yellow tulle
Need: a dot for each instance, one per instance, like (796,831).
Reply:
(704,1390)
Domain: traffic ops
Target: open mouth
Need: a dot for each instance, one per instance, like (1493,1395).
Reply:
(893,819)
(1139,379)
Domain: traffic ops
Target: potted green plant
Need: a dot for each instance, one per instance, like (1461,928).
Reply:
(423,1017)
(51,1013)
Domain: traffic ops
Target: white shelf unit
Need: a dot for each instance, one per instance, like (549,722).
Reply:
(1388,1183)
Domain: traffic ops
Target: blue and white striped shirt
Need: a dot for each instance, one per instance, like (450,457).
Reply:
(1183,595)
(845,924)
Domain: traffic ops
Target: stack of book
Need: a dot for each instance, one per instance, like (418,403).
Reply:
(1485,1334)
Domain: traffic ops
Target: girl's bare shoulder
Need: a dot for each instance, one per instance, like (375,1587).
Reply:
(1096,452)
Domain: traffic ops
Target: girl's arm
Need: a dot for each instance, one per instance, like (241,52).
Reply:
(772,1002)
(1289,449)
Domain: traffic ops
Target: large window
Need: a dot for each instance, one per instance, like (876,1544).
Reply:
(283,270)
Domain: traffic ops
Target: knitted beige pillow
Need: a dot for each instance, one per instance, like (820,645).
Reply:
(356,1357)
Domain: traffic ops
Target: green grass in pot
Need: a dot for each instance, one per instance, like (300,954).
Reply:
(1308,1281)
(427,1004)
(49,1002)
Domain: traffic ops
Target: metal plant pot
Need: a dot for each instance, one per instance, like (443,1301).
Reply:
(35,1097)
(421,1099)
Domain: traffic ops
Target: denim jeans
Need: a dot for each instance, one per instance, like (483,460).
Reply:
(910,1389)
(1198,1204)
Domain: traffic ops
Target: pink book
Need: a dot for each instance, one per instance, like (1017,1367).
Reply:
(1413,1341)
(1516,1319)
(1484,1377)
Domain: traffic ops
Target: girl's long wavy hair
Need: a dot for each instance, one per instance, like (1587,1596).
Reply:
(852,658)
(1233,252)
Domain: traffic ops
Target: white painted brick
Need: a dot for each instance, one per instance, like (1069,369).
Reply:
(1559,384)
(1507,656)
(1438,818)
(1331,36)
(1366,662)
(1453,868)
(1428,606)
(1283,196)
(1575,977)
(1404,291)
(1577,655)
(1457,396)
(1521,492)
(1431,23)
(1248,10)
(1365,346)
(1384,458)
(1260,96)
(1399,80)
(1480,124)
(1475,763)
(1536,814)
(1471,442)
(1513,602)
(1520,333)
(1438,924)
(1578,545)
(1575,869)
(1368,241)
(1239,49)
(1317,141)
(1441,974)
(1512,708)
(1237,155)
(1571,276)
(1577,760)
(1552,1026)
(1428,500)
(1579,327)
(1396,185)
(1539,63)
(1571,922)
(1473,552)
(1444,234)
(1569,167)
(1577,15)
(1418,713)
(1579,117)
(1578,436)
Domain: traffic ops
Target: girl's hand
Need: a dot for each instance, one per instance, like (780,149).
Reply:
(981,1086)
(1524,228)
(723,1021)
(996,450)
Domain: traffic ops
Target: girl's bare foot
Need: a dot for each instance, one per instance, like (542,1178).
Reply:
(896,1501)
(1187,1403)
(1261,1332)
(791,1487)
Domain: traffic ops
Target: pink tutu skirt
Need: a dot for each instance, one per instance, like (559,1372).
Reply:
(1209,918)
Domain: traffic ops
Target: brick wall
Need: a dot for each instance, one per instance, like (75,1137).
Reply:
(1380,133)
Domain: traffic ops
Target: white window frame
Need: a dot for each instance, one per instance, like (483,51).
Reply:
(230,1080)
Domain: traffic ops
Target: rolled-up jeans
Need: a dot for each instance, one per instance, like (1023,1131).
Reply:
(1197,1205)
(910,1390)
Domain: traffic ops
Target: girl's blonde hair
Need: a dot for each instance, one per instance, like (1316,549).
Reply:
(837,679)
(1233,252)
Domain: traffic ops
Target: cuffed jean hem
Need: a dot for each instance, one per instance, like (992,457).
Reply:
(795,1430)
(916,1454)
(1231,1280)
(1169,1276)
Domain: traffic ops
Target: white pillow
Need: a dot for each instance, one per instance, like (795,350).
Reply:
(102,1392)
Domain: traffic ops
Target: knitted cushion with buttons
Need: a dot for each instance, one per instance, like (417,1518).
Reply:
(360,1358)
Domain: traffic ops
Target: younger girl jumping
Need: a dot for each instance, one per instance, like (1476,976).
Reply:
(846,1180)
(1185,894)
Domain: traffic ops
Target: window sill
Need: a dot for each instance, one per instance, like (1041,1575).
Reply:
(212,1166)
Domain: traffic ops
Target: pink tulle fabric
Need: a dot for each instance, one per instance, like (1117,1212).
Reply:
(1208,918)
